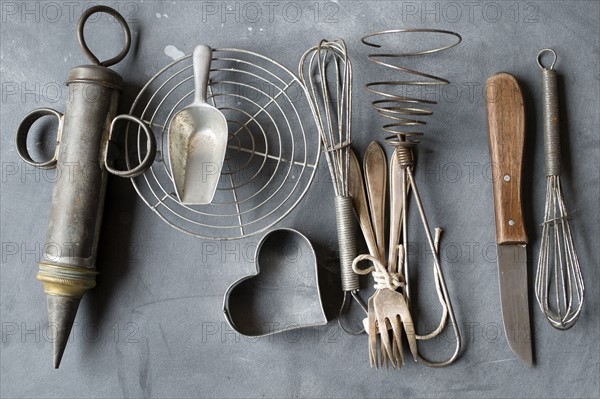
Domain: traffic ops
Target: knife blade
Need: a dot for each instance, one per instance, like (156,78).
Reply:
(506,132)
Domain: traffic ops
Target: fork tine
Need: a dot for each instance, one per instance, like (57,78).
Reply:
(385,350)
(395,352)
(397,341)
(383,358)
(372,332)
(385,336)
(409,327)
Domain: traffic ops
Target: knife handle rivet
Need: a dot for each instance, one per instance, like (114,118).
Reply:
(511,222)
(506,178)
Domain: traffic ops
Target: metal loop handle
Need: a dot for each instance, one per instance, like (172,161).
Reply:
(541,53)
(150,146)
(23,132)
(86,50)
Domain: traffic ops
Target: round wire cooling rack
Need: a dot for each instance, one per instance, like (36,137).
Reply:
(272,153)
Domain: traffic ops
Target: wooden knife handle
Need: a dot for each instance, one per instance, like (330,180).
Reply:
(506,130)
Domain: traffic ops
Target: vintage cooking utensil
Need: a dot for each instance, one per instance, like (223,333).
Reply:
(198,140)
(356,189)
(375,167)
(361,207)
(397,220)
(395,255)
(326,71)
(388,313)
(283,294)
(86,146)
(388,307)
(403,114)
(559,287)
(506,129)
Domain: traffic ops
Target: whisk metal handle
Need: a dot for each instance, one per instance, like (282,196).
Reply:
(551,120)
(347,241)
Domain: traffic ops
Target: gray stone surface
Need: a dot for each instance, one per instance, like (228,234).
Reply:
(154,327)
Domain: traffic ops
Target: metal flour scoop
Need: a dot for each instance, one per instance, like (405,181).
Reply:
(198,140)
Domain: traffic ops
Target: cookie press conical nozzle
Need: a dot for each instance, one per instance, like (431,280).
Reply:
(61,315)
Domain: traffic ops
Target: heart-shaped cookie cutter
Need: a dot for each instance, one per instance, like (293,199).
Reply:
(284,293)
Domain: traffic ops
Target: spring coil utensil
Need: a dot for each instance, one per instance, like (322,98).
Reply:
(558,264)
(326,71)
(404,111)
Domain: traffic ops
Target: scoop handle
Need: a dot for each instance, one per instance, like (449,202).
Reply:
(202,59)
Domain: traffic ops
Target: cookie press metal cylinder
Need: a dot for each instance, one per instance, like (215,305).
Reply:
(84,154)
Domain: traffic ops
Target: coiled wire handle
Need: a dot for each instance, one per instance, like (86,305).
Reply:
(551,121)
(559,287)
(346,232)
(405,112)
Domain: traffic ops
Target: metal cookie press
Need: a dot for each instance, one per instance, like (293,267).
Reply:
(84,145)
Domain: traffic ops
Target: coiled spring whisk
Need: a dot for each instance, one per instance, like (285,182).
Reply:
(326,71)
(405,113)
(559,285)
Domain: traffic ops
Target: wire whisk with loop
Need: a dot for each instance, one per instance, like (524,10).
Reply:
(405,113)
(326,71)
(559,287)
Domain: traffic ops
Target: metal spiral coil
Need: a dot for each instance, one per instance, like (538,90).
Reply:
(404,111)
(405,156)
(551,120)
(346,238)
(272,153)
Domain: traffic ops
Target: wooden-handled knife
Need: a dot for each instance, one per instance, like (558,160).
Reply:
(506,130)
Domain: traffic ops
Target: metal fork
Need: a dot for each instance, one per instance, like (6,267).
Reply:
(385,310)
(388,308)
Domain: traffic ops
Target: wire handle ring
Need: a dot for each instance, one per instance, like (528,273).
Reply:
(539,58)
(83,45)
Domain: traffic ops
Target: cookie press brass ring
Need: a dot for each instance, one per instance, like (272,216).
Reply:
(86,50)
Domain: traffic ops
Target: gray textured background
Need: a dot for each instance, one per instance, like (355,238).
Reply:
(153,327)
